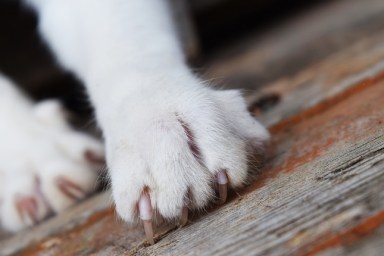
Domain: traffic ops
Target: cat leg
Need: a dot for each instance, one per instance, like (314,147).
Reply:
(169,137)
(44,164)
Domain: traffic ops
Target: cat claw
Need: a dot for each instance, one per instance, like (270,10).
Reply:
(70,189)
(183,217)
(222,181)
(146,212)
(148,228)
(27,209)
(94,158)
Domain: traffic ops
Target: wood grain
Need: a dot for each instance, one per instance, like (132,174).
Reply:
(323,179)
(321,189)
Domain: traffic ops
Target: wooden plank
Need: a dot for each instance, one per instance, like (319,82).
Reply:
(371,245)
(353,235)
(309,87)
(76,216)
(317,161)
(325,177)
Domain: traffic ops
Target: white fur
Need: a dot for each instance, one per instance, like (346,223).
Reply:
(129,57)
(37,146)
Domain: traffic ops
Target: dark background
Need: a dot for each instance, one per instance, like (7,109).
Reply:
(218,23)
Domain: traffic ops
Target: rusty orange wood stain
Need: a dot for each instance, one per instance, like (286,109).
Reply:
(310,135)
(64,238)
(320,133)
(326,104)
(347,237)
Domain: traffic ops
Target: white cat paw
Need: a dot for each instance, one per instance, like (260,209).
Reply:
(169,148)
(45,166)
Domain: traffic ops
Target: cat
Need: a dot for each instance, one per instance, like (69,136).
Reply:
(168,137)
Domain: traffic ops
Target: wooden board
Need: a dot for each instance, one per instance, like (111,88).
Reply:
(320,191)
(321,188)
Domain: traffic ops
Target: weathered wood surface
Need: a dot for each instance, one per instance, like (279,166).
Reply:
(324,80)
(320,191)
(325,177)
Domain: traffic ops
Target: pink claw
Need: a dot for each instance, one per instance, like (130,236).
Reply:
(27,208)
(146,212)
(70,189)
(94,158)
(222,181)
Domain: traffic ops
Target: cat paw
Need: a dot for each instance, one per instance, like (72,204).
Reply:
(45,166)
(170,149)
